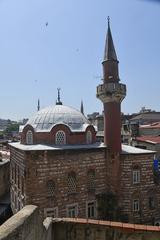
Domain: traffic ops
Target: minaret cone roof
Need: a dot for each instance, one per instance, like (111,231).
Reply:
(109,53)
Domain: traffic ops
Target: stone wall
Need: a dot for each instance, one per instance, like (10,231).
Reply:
(27,225)
(36,168)
(143,190)
(4,177)
(83,229)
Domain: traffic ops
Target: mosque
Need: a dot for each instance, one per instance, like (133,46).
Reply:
(59,166)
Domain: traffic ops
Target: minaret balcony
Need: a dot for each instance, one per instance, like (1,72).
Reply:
(111,92)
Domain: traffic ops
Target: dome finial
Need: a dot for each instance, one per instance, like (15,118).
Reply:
(58,102)
(38,105)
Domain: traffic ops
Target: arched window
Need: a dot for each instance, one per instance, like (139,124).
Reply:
(29,137)
(136,174)
(72,182)
(50,188)
(60,138)
(89,137)
(91,180)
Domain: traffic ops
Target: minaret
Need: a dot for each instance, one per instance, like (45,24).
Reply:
(82,108)
(38,106)
(58,102)
(111,93)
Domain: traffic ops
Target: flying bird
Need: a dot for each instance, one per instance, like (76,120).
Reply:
(46,24)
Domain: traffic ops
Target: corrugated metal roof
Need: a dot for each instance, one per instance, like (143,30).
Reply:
(45,119)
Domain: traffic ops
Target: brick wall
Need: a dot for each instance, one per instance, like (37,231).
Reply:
(36,168)
(4,177)
(143,190)
(17,179)
(49,137)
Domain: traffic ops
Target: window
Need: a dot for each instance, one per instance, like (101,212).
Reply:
(51,212)
(91,209)
(29,137)
(72,210)
(136,206)
(89,137)
(60,138)
(72,183)
(50,188)
(151,203)
(91,180)
(136,176)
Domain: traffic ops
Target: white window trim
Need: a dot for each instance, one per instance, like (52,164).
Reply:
(89,137)
(95,209)
(136,176)
(74,205)
(137,205)
(29,137)
(54,210)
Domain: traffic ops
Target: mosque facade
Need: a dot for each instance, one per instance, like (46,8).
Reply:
(59,166)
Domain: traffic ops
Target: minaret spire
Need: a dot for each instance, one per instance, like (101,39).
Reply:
(38,106)
(111,93)
(58,102)
(82,108)
(110,61)
(109,52)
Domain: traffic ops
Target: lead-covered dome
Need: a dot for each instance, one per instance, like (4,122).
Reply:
(45,119)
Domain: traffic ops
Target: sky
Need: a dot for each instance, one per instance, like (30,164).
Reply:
(36,59)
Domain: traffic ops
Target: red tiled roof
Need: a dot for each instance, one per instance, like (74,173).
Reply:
(149,139)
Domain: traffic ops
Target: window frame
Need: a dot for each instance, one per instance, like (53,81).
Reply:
(69,176)
(54,210)
(29,137)
(57,142)
(89,209)
(91,180)
(136,176)
(70,208)
(50,192)
(136,205)
(88,137)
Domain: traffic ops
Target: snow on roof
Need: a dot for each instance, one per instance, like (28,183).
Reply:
(126,149)
(41,147)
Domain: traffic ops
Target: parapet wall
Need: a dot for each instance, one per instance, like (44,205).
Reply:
(83,229)
(27,225)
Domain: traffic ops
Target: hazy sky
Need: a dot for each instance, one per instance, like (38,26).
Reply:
(35,59)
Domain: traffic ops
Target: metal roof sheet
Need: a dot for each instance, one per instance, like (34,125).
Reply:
(45,119)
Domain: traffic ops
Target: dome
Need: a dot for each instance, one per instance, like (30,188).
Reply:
(45,119)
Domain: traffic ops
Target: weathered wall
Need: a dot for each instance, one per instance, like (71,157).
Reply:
(29,186)
(26,225)
(55,165)
(4,177)
(83,229)
(143,190)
